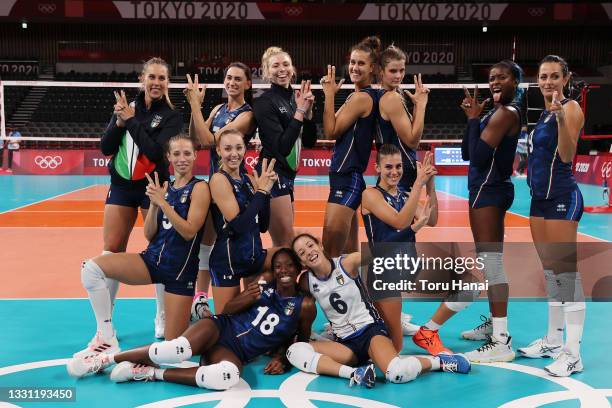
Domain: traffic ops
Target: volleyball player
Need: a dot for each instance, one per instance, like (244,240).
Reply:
(390,215)
(284,119)
(353,128)
(236,113)
(261,319)
(556,209)
(490,145)
(240,212)
(173,228)
(361,334)
(136,137)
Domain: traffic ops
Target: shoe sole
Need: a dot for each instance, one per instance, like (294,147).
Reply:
(503,359)
(541,355)
(561,376)
(474,338)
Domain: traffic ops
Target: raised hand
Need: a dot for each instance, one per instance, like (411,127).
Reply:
(304,97)
(556,107)
(470,104)
(265,181)
(328,82)
(421,92)
(421,220)
(122,108)
(156,191)
(194,93)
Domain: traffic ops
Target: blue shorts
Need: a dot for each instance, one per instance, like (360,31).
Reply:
(227,337)
(359,342)
(127,196)
(500,197)
(282,187)
(568,206)
(346,189)
(226,272)
(168,278)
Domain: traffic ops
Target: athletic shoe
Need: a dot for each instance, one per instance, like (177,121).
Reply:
(454,363)
(430,341)
(200,307)
(493,351)
(99,345)
(408,328)
(364,376)
(565,364)
(81,367)
(126,371)
(480,332)
(160,325)
(540,348)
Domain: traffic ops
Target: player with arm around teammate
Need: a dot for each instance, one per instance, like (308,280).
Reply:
(263,318)
(361,335)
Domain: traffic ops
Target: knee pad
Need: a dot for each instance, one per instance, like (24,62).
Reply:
(456,306)
(92,276)
(303,356)
(493,267)
(403,370)
(220,376)
(573,306)
(564,287)
(170,352)
(105,252)
(203,257)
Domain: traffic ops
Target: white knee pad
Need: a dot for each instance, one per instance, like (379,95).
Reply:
(456,306)
(574,306)
(170,352)
(403,370)
(303,356)
(493,267)
(92,276)
(220,376)
(564,287)
(203,256)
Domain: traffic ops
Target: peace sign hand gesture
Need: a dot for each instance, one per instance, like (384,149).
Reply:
(304,97)
(330,87)
(421,220)
(155,191)
(122,108)
(193,92)
(556,107)
(268,176)
(421,92)
(470,105)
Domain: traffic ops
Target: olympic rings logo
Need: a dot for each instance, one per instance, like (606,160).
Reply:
(293,11)
(536,11)
(606,170)
(46,8)
(251,161)
(48,162)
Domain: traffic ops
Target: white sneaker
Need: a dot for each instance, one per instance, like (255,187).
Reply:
(99,345)
(481,332)
(565,364)
(81,367)
(200,307)
(160,325)
(540,348)
(408,328)
(493,351)
(126,371)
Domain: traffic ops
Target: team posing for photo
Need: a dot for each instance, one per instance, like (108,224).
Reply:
(208,233)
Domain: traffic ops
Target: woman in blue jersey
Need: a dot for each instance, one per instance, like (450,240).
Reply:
(173,228)
(396,125)
(264,318)
(391,215)
(352,127)
(490,146)
(236,113)
(240,212)
(556,209)
(360,333)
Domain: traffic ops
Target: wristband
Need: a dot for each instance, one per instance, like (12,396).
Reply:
(302,111)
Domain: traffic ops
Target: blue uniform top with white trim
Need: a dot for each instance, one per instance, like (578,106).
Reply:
(222,117)
(498,173)
(378,231)
(351,152)
(268,324)
(170,250)
(548,176)
(386,134)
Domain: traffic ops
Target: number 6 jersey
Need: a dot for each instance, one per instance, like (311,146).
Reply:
(344,300)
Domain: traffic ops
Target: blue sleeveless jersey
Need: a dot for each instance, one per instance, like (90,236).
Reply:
(386,134)
(378,231)
(351,152)
(238,247)
(168,248)
(220,120)
(268,324)
(498,173)
(547,176)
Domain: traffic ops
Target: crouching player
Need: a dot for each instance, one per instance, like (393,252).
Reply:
(263,318)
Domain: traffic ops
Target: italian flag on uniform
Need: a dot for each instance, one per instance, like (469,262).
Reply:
(129,162)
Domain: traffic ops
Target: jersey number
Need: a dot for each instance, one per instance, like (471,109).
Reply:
(165,222)
(267,326)
(530,142)
(337,303)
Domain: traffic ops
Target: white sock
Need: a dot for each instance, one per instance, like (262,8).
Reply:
(345,372)
(555,323)
(111,284)
(500,327)
(159,374)
(574,325)
(93,281)
(159,296)
(435,362)
(431,325)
